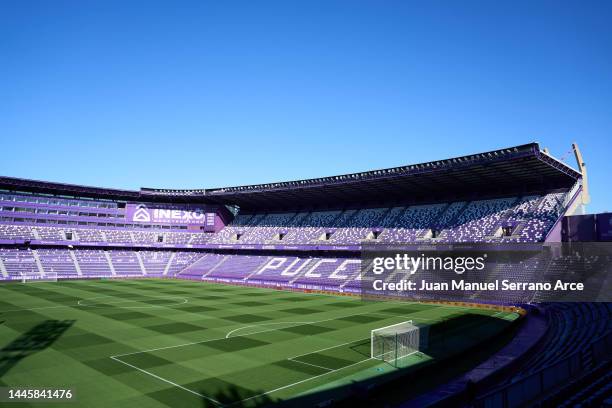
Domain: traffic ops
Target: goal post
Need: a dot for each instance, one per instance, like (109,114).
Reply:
(37,277)
(391,343)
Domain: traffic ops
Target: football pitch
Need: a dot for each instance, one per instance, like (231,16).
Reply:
(171,343)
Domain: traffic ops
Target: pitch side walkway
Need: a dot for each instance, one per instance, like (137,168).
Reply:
(530,333)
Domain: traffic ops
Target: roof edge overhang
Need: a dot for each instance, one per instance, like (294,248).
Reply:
(257,194)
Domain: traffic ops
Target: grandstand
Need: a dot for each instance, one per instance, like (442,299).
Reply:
(306,236)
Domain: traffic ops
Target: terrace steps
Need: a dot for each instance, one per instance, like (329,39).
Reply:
(141,263)
(246,278)
(167,267)
(110,263)
(3,270)
(218,264)
(39,265)
(77,266)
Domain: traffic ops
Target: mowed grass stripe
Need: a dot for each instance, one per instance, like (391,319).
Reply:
(271,346)
(77,342)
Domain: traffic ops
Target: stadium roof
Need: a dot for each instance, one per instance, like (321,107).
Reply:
(515,170)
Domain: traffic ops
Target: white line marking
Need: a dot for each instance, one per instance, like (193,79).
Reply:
(393,325)
(116,357)
(291,324)
(298,382)
(167,381)
(314,365)
(257,332)
(224,338)
(328,348)
(79,304)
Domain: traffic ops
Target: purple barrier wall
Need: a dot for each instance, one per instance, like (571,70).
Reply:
(578,228)
(604,227)
(587,228)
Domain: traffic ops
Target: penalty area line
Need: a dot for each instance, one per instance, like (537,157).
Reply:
(229,334)
(298,382)
(330,347)
(167,381)
(291,324)
(310,364)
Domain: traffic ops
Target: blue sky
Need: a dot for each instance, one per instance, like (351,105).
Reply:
(209,94)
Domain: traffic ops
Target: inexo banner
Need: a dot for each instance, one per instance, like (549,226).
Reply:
(186,216)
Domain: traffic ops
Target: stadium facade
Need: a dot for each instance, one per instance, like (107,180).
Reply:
(313,227)
(308,234)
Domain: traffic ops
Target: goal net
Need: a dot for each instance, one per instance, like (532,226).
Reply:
(37,277)
(397,341)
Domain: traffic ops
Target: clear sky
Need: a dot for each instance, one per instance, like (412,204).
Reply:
(208,94)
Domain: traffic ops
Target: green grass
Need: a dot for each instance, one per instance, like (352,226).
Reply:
(163,343)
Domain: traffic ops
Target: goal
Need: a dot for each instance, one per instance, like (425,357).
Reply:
(397,341)
(37,277)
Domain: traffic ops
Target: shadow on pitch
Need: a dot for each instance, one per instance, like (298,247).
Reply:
(36,339)
(448,343)
(235,397)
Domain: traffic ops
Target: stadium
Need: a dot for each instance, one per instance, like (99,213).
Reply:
(253,295)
